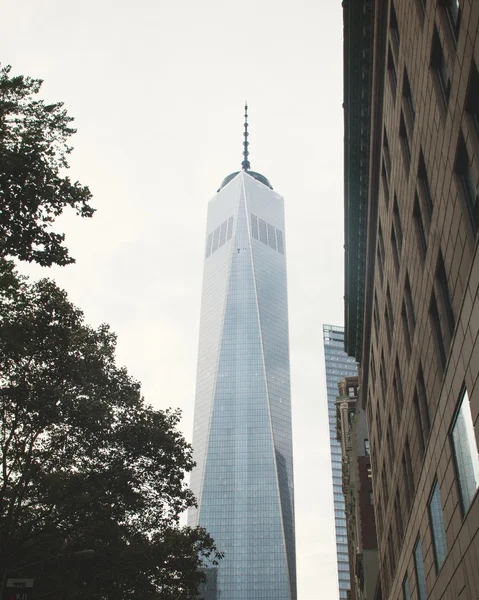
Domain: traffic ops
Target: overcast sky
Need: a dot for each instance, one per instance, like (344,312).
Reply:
(157,90)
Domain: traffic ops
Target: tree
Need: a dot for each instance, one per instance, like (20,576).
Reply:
(33,187)
(86,463)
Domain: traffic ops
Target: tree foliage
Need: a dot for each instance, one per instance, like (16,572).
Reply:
(33,187)
(86,463)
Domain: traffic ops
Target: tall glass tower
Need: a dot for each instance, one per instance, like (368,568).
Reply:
(242,442)
(338,365)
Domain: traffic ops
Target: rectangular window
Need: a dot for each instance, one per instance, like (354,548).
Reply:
(406,592)
(472,102)
(398,392)
(271,237)
(254,227)
(406,330)
(366,447)
(439,67)
(397,223)
(419,568)
(230,228)
(406,149)
(453,14)
(385,179)
(408,101)
(436,329)
(399,522)
(263,235)
(424,189)
(395,251)
(393,26)
(371,497)
(391,448)
(376,315)
(423,420)
(388,317)
(448,322)
(386,153)
(436,520)
(392,72)
(408,474)
(419,229)
(464,445)
(468,187)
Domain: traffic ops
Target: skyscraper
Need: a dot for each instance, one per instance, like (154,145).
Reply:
(242,441)
(338,365)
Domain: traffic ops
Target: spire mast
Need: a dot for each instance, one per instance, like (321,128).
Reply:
(245,164)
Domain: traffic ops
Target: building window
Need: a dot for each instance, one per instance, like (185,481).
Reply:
(408,474)
(472,102)
(399,522)
(366,447)
(439,66)
(453,12)
(376,315)
(393,26)
(381,252)
(406,149)
(441,313)
(408,101)
(406,592)
(419,228)
(423,420)
(419,568)
(467,181)
(436,520)
(397,223)
(392,72)
(436,329)
(391,448)
(464,445)
(371,497)
(423,186)
(398,392)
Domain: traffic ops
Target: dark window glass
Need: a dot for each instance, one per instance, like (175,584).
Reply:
(419,228)
(406,149)
(409,107)
(423,186)
(472,103)
(398,391)
(436,328)
(467,180)
(439,66)
(397,223)
(392,72)
(395,250)
(393,25)
(453,12)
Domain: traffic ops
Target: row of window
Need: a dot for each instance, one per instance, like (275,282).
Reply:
(466,460)
(266,233)
(219,237)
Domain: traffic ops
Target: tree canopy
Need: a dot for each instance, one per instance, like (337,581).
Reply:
(34,189)
(86,462)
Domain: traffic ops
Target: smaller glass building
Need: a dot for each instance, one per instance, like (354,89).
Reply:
(338,365)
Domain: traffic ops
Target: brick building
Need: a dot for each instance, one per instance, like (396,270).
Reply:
(352,433)
(411,107)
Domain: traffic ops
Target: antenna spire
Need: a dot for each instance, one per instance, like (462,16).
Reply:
(245,164)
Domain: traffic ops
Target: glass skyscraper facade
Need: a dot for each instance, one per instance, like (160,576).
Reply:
(338,365)
(242,440)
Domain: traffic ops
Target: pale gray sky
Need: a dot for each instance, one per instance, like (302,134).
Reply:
(157,89)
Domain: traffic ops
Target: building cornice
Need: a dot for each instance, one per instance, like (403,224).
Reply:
(358,36)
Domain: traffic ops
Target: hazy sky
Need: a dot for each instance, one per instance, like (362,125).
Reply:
(157,90)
